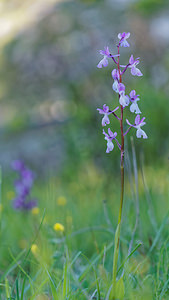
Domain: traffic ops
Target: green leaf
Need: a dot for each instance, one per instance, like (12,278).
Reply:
(119,289)
(17,289)
(23,288)
(7,288)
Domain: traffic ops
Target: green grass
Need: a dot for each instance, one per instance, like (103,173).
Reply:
(77,264)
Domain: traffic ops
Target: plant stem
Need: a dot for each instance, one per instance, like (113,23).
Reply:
(117,235)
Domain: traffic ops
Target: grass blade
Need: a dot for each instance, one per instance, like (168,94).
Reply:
(23,288)
(159,232)
(131,253)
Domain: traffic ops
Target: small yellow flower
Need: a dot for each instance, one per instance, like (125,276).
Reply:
(58,227)
(35,211)
(34,249)
(61,201)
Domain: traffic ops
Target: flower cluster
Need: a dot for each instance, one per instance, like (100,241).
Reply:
(23,187)
(119,88)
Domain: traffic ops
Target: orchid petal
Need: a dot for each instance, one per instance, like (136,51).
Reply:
(137,120)
(124,100)
(129,123)
(105,120)
(103,63)
(134,108)
(140,133)
(131,59)
(115,86)
(110,146)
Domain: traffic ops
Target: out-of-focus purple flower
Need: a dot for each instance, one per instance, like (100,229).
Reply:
(138,123)
(133,63)
(123,37)
(109,137)
(105,111)
(17,165)
(30,204)
(19,203)
(20,188)
(134,106)
(106,53)
(124,99)
(28,178)
(23,187)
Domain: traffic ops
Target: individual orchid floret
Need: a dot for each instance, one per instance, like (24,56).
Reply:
(109,137)
(123,37)
(133,63)
(116,76)
(124,99)
(106,53)
(105,111)
(138,123)
(134,106)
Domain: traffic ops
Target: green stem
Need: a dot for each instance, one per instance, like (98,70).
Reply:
(117,234)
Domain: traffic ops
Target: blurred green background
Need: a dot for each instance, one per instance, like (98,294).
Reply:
(50,88)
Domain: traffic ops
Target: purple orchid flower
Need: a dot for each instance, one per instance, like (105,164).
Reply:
(133,63)
(116,76)
(106,53)
(109,137)
(124,99)
(123,37)
(134,106)
(138,123)
(105,111)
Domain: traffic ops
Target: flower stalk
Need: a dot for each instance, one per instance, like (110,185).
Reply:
(117,235)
